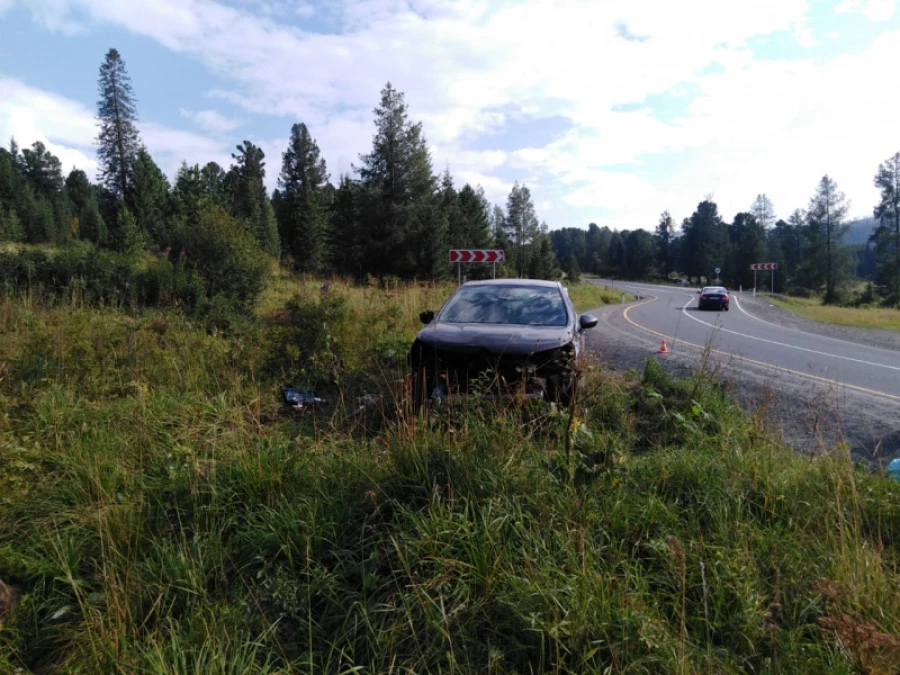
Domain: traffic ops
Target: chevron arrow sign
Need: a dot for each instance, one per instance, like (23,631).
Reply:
(461,255)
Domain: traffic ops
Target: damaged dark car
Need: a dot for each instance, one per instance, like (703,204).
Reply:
(502,337)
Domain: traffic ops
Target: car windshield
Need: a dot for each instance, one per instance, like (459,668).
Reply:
(514,305)
(713,290)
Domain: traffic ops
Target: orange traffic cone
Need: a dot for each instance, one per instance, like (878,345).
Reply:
(663,349)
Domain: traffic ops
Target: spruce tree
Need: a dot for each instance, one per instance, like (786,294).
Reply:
(521,227)
(825,219)
(346,241)
(118,140)
(301,213)
(886,236)
(665,230)
(147,198)
(404,228)
(249,200)
(42,169)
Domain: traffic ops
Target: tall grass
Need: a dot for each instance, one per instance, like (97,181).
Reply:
(159,513)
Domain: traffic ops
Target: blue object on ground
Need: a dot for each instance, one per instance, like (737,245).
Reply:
(893,469)
(300,397)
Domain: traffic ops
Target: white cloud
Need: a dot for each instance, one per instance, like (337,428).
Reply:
(212,121)
(805,37)
(69,130)
(731,124)
(873,10)
(64,126)
(459,64)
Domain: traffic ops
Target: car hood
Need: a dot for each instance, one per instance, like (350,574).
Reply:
(509,340)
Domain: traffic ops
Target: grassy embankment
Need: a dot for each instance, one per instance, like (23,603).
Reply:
(159,515)
(858,317)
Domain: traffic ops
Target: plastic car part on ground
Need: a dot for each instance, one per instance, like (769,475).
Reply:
(300,398)
(893,469)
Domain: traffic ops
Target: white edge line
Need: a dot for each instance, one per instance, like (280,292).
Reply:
(782,344)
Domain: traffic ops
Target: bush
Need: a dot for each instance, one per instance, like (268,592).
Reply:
(303,347)
(224,254)
(165,284)
(98,277)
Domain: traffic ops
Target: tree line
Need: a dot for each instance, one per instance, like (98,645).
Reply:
(391,216)
(808,247)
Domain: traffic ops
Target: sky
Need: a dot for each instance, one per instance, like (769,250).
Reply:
(610,112)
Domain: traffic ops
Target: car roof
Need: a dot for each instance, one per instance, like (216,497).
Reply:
(514,282)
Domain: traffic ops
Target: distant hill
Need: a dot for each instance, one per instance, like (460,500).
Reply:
(860,230)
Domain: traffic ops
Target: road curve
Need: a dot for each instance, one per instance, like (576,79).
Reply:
(858,380)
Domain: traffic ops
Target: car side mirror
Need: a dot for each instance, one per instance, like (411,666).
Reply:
(699,291)
(587,321)
(426,317)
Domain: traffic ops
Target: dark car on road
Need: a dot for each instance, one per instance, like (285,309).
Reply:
(713,297)
(500,337)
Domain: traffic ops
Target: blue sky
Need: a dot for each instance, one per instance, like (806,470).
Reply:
(610,112)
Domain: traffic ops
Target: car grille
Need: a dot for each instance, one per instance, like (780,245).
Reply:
(485,374)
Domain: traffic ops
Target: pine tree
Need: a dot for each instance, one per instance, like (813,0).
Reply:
(346,244)
(520,226)
(573,271)
(886,236)
(825,225)
(85,209)
(748,243)
(615,254)
(301,213)
(118,140)
(127,236)
(147,198)
(764,211)
(187,193)
(249,201)
(541,263)
(474,210)
(212,185)
(640,254)
(42,169)
(404,229)
(704,240)
(10,226)
(665,229)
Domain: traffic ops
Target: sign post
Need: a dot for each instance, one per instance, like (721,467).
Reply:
(764,266)
(468,255)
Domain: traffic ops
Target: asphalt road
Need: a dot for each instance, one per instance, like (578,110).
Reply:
(852,388)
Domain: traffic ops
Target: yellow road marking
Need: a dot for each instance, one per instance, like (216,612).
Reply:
(674,340)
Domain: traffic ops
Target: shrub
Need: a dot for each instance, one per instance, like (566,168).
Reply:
(303,347)
(97,277)
(224,254)
(165,284)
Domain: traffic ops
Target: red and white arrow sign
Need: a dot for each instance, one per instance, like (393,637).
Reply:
(764,266)
(461,255)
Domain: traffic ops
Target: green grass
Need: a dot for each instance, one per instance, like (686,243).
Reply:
(159,513)
(587,295)
(858,317)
